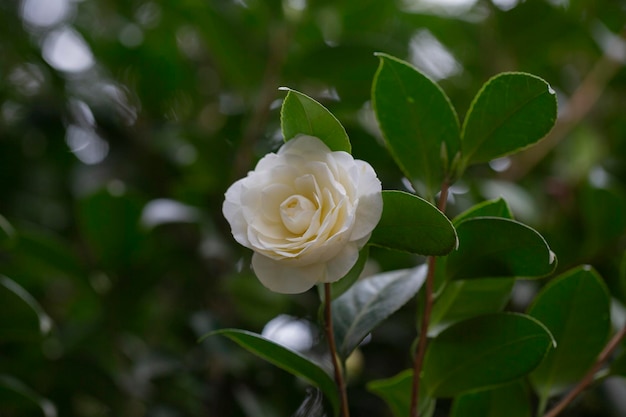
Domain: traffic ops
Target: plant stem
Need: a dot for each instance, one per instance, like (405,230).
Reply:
(589,377)
(418,362)
(330,335)
(421,346)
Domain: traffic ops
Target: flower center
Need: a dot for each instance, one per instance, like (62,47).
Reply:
(296,213)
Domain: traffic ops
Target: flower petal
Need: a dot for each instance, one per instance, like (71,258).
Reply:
(305,211)
(340,265)
(370,205)
(367,216)
(231,209)
(278,276)
(307,146)
(368,182)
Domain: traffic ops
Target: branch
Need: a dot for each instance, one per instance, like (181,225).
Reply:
(589,377)
(428,307)
(330,336)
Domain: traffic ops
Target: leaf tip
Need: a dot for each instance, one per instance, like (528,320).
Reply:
(552,258)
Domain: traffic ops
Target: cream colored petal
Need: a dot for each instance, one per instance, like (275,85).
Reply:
(250,197)
(271,231)
(231,209)
(370,203)
(340,265)
(368,182)
(272,197)
(282,174)
(279,277)
(367,216)
(307,146)
(345,171)
(268,162)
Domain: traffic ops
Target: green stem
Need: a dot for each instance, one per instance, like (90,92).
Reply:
(330,336)
(590,376)
(428,306)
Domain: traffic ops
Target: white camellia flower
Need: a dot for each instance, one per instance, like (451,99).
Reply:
(305,211)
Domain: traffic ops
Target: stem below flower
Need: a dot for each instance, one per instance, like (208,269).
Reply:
(428,306)
(330,336)
(589,377)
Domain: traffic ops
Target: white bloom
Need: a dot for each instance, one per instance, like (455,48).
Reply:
(305,212)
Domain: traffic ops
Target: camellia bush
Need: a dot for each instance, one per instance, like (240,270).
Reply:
(310,213)
(269,208)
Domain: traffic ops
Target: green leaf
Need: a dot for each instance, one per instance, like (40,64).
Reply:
(370,301)
(511,400)
(396,391)
(410,223)
(21,316)
(301,115)
(418,122)
(483,352)
(463,299)
(19,399)
(284,358)
(575,307)
(510,112)
(490,208)
(341,286)
(497,247)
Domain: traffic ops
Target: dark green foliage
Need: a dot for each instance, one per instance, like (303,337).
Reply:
(183,97)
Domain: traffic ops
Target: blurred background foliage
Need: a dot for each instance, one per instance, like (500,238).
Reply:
(122,123)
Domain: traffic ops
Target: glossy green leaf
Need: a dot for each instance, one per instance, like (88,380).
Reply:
(463,299)
(490,208)
(301,115)
(498,247)
(484,351)
(418,122)
(575,307)
(21,316)
(396,391)
(19,399)
(511,400)
(370,301)
(510,112)
(341,286)
(412,224)
(284,358)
